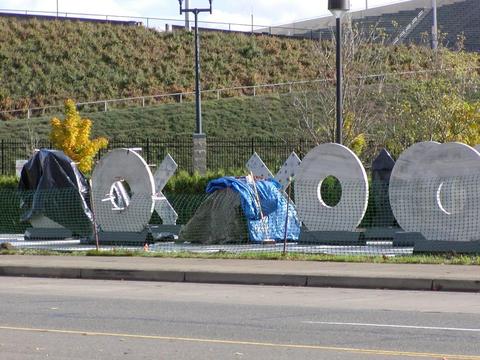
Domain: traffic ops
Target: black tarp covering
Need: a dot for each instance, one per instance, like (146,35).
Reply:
(51,185)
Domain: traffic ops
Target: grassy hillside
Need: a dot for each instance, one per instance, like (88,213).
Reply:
(45,62)
(242,116)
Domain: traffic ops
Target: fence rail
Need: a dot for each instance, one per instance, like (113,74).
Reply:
(162,24)
(221,153)
(251,90)
(142,101)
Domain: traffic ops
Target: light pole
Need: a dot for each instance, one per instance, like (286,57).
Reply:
(434,26)
(198,98)
(187,16)
(338,8)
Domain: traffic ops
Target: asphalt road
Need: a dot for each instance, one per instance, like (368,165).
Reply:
(83,319)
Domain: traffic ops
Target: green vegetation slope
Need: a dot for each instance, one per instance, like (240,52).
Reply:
(44,62)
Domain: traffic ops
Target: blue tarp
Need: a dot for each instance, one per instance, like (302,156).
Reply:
(273,206)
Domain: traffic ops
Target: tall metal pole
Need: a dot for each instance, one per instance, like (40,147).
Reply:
(57,9)
(434,26)
(198,97)
(366,4)
(187,15)
(339,123)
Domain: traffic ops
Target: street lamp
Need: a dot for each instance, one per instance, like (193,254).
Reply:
(198,99)
(338,8)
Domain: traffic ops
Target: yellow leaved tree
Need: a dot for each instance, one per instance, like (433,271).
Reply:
(72,136)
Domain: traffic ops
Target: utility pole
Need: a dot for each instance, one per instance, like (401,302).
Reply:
(434,26)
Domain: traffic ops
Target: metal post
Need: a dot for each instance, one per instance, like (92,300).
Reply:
(366,4)
(339,124)
(434,26)
(187,15)
(57,9)
(199,138)
(148,150)
(198,97)
(3,158)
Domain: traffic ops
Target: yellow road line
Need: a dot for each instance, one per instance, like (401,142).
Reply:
(251,343)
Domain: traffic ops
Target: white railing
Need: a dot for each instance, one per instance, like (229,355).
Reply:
(160,23)
(411,26)
(142,101)
(180,97)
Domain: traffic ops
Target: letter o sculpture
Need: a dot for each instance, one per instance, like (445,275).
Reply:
(127,165)
(435,190)
(331,160)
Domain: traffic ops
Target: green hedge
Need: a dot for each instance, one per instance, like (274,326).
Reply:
(8,182)
(185,183)
(186,193)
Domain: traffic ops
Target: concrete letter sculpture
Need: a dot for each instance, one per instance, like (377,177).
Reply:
(434,190)
(287,172)
(338,161)
(163,208)
(125,166)
(258,168)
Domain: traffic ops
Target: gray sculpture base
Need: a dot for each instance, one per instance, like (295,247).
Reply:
(422,245)
(122,237)
(44,234)
(330,238)
(380,233)
(165,232)
(436,246)
(407,238)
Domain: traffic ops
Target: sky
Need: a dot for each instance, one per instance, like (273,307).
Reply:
(265,12)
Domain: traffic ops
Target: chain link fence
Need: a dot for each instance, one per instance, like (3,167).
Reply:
(327,217)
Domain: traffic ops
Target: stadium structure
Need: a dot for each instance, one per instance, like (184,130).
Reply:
(405,22)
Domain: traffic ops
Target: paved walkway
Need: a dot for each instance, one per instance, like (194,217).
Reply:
(293,273)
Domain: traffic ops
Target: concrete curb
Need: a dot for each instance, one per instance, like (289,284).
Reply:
(360,282)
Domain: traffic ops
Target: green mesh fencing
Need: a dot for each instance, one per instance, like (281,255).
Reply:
(336,218)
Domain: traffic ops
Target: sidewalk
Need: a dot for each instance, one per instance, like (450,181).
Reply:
(253,272)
